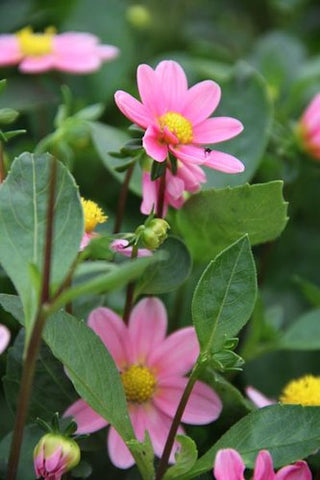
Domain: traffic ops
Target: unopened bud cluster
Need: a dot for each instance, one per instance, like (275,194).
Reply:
(153,233)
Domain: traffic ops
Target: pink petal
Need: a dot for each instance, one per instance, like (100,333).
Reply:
(153,146)
(176,355)
(147,328)
(150,90)
(4,338)
(174,186)
(37,64)
(86,240)
(87,419)
(53,461)
(107,52)
(120,246)
(171,75)
(192,176)
(263,469)
(228,465)
(217,129)
(190,154)
(38,462)
(311,114)
(9,50)
(149,194)
(204,405)
(118,451)
(223,162)
(81,65)
(299,471)
(258,398)
(201,100)
(74,42)
(112,331)
(132,109)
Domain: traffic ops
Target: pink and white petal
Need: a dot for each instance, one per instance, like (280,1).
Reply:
(203,407)
(113,333)
(158,425)
(86,239)
(107,52)
(77,64)
(153,145)
(176,355)
(201,100)
(52,462)
(299,471)
(9,50)
(172,76)
(263,469)
(149,193)
(37,64)
(132,109)
(223,162)
(217,129)
(258,398)
(74,43)
(87,419)
(228,465)
(190,154)
(118,451)
(147,328)
(150,90)
(4,338)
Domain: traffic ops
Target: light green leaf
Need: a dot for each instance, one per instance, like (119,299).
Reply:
(185,459)
(108,139)
(288,432)
(162,277)
(225,295)
(23,212)
(304,334)
(211,220)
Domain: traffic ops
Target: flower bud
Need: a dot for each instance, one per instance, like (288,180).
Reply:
(139,16)
(309,128)
(154,233)
(55,455)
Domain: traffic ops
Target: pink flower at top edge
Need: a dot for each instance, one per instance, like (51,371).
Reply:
(120,245)
(229,465)
(153,370)
(309,128)
(176,120)
(4,338)
(72,52)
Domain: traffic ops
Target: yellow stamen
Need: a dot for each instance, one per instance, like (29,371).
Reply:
(178,125)
(303,391)
(35,44)
(92,215)
(139,383)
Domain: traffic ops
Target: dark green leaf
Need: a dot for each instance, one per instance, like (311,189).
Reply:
(304,334)
(185,459)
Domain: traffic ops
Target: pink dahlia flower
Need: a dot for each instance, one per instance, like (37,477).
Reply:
(309,128)
(120,245)
(176,120)
(72,52)
(4,338)
(229,465)
(153,370)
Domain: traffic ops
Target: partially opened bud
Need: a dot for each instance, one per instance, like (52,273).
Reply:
(55,455)
(155,233)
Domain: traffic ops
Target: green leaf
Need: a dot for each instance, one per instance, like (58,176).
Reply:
(12,304)
(92,112)
(304,334)
(185,459)
(8,115)
(23,213)
(144,456)
(288,432)
(108,139)
(90,368)
(245,96)
(211,220)
(162,277)
(309,290)
(225,295)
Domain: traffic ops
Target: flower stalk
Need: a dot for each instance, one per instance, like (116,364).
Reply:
(123,199)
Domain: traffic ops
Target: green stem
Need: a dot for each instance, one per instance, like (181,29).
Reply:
(130,290)
(123,199)
(164,461)
(35,340)
(161,195)
(2,166)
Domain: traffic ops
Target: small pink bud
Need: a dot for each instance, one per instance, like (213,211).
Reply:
(55,455)
(309,128)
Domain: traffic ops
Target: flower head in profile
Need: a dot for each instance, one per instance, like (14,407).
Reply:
(153,370)
(302,391)
(4,338)
(176,121)
(72,52)
(229,465)
(93,215)
(309,128)
(55,455)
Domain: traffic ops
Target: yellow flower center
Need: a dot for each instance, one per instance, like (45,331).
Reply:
(139,383)
(92,215)
(35,44)
(303,391)
(178,125)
